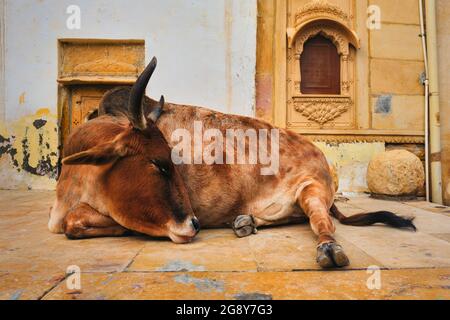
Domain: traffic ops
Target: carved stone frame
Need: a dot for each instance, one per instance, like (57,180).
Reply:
(339,40)
(287,19)
(320,111)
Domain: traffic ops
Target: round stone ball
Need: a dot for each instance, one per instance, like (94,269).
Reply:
(395,173)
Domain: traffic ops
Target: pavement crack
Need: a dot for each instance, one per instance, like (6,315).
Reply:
(132,259)
(64,278)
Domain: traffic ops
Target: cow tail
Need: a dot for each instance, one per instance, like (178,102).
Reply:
(367,219)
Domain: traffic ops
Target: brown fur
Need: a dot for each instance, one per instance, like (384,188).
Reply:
(117,175)
(101,158)
(303,188)
(216,192)
(112,154)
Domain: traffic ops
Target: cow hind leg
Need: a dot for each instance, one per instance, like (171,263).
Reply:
(83,221)
(314,202)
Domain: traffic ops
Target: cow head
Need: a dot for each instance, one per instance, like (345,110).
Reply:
(139,181)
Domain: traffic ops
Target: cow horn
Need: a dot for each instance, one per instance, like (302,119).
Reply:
(157,110)
(135,104)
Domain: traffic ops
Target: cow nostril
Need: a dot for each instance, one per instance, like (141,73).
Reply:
(196,224)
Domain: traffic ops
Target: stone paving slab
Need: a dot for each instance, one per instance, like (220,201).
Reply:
(276,263)
(27,285)
(424,221)
(27,245)
(25,201)
(443,236)
(273,249)
(430,207)
(57,254)
(395,284)
(399,249)
(293,248)
(211,250)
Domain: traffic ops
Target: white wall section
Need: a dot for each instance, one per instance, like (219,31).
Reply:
(206,49)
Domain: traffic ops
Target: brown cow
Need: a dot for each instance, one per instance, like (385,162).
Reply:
(238,195)
(117,175)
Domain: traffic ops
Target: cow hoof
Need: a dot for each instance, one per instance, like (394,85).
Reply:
(331,255)
(244,225)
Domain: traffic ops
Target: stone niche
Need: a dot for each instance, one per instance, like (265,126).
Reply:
(99,61)
(87,68)
(317,111)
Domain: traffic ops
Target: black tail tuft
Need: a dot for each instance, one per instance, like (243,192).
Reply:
(367,219)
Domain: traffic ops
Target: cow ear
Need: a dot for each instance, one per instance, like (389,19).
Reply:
(156,111)
(97,155)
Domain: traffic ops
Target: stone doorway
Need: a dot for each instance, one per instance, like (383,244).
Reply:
(87,69)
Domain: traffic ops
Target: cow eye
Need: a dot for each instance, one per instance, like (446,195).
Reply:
(162,167)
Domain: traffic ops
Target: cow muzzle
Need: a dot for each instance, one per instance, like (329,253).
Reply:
(184,232)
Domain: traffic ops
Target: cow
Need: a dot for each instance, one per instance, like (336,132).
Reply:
(239,196)
(117,176)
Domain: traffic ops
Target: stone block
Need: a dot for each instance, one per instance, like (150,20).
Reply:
(396,41)
(396,77)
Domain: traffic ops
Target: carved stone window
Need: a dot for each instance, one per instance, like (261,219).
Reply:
(320,67)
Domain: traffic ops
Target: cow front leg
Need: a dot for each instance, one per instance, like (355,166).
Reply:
(83,221)
(244,225)
(313,202)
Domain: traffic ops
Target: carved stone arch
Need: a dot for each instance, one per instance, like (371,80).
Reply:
(322,12)
(334,35)
(321,8)
(344,31)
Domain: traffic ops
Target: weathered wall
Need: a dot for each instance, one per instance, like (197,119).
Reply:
(396,62)
(351,161)
(265,60)
(206,56)
(389,103)
(2,61)
(443,24)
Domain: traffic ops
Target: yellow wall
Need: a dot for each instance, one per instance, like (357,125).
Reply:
(396,62)
(443,25)
(389,65)
(264,60)
(351,161)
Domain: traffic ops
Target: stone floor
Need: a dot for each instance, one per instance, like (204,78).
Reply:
(276,263)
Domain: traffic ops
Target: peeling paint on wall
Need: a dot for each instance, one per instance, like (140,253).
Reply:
(28,151)
(351,161)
